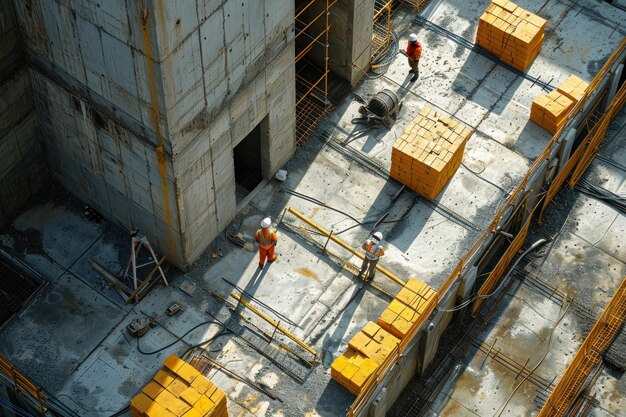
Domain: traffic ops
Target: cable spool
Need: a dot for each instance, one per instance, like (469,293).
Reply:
(383,103)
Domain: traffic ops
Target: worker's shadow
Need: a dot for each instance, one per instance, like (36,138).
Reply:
(257,278)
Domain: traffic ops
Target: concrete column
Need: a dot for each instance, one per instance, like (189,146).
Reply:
(350,38)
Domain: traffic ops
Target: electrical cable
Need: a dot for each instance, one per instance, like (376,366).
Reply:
(178,339)
(593,190)
(502,281)
(485,179)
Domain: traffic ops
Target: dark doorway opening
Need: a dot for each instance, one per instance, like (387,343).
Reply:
(248,164)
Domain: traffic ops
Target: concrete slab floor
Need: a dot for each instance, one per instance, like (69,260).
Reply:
(325,301)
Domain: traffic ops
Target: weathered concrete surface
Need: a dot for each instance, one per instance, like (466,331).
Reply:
(143,127)
(23,167)
(313,289)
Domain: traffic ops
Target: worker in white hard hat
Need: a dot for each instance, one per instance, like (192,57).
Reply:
(267,242)
(414,53)
(373,251)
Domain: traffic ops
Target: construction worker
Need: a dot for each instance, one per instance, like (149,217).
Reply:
(414,52)
(267,241)
(373,251)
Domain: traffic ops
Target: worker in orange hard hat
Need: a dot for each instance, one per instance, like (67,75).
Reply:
(373,251)
(414,53)
(267,241)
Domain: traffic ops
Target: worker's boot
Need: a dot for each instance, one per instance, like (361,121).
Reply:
(415,77)
(411,71)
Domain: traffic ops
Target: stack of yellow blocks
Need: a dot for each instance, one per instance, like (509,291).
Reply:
(352,370)
(511,33)
(179,390)
(550,110)
(407,308)
(428,153)
(573,88)
(376,342)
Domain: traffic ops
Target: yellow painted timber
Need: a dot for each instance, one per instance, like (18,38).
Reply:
(342,243)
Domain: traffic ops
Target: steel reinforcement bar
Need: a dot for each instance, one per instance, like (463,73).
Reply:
(588,357)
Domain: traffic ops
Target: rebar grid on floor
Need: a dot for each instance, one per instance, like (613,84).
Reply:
(589,356)
(15,289)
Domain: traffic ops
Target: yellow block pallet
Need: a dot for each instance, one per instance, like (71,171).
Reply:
(428,153)
(573,88)
(511,33)
(550,110)
(179,390)
(352,370)
(407,308)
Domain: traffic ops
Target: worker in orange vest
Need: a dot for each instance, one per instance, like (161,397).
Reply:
(373,251)
(414,52)
(267,241)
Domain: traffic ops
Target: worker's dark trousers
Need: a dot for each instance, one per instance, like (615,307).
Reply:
(369,265)
(415,66)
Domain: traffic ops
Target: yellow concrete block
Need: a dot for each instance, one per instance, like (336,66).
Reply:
(164,398)
(152,389)
(204,405)
(401,326)
(157,410)
(354,357)
(385,338)
(396,306)
(339,364)
(187,373)
(178,407)
(359,341)
(177,386)
(371,349)
(173,363)
(359,379)
(193,413)
(218,396)
(164,377)
(349,371)
(139,404)
(410,315)
(371,329)
(387,316)
(190,395)
(202,384)
(369,366)
(414,285)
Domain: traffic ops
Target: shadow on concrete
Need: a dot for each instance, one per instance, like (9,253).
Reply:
(333,395)
(474,72)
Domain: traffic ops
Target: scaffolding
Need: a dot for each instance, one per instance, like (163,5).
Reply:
(312,29)
(381,28)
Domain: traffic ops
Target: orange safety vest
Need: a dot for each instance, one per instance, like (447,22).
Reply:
(373,251)
(266,240)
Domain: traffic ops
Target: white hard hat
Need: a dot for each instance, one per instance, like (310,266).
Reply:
(412,37)
(378,236)
(266,222)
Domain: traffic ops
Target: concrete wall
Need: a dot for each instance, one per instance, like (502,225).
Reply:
(23,166)
(350,36)
(142,103)
(225,68)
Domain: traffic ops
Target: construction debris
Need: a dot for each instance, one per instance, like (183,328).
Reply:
(511,33)
(178,389)
(428,153)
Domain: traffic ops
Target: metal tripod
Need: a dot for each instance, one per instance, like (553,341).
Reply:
(139,241)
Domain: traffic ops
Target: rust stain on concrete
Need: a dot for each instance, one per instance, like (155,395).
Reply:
(308,273)
(160,153)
